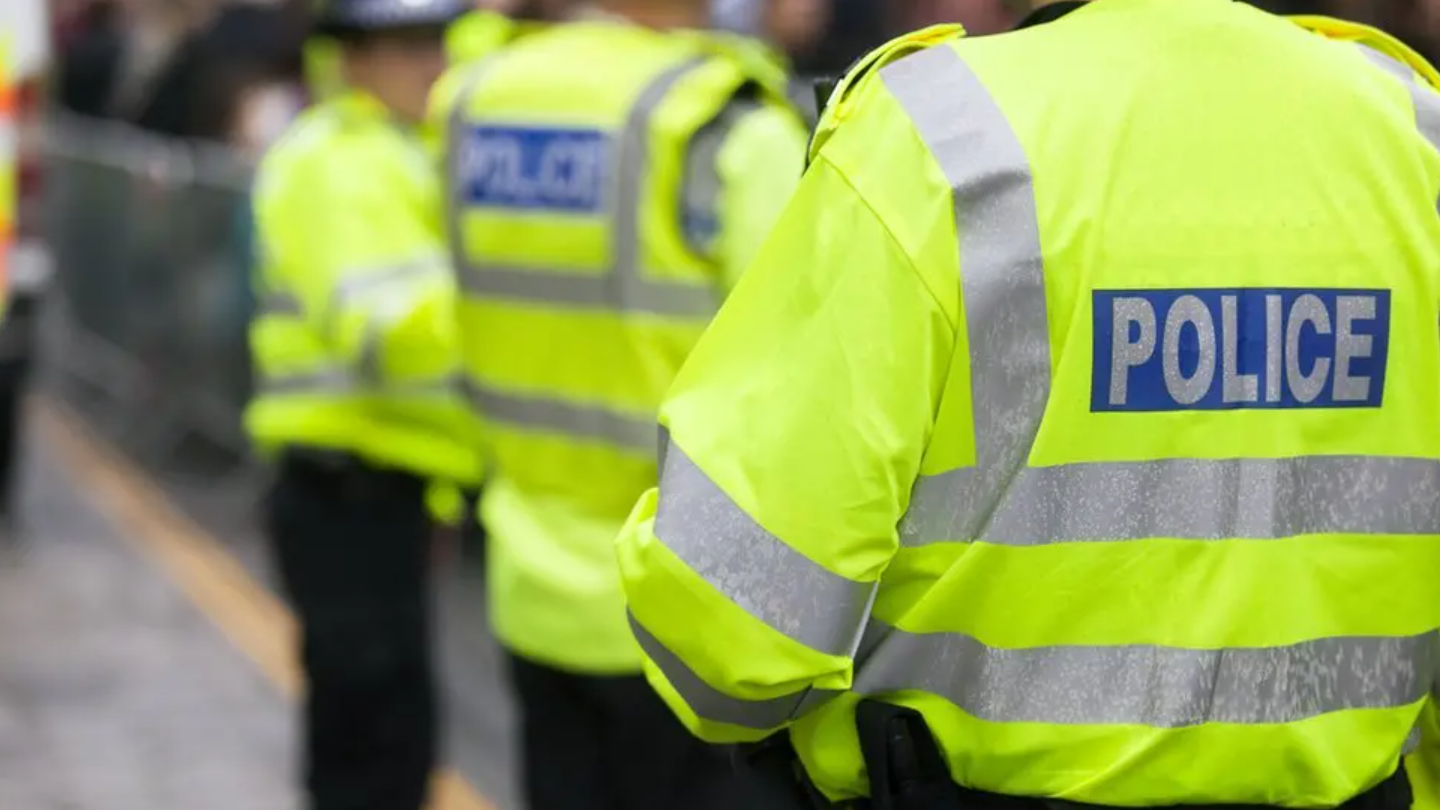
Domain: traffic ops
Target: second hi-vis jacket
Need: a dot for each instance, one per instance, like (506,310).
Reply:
(354,342)
(608,184)
(1096,421)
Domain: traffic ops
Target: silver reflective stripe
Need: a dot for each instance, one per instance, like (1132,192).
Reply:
(1001,268)
(359,281)
(278,303)
(583,421)
(323,381)
(1425,98)
(334,382)
(753,568)
(621,287)
(1161,687)
(711,704)
(1197,499)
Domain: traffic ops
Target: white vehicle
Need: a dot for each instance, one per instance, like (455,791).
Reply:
(26,25)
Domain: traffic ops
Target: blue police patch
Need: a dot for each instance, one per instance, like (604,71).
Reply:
(1211,349)
(538,169)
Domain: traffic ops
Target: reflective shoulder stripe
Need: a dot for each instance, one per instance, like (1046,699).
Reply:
(578,421)
(701,186)
(753,568)
(1002,273)
(1425,99)
(624,288)
(1154,686)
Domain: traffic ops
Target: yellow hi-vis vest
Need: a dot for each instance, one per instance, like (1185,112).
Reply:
(354,343)
(9,165)
(583,291)
(1091,417)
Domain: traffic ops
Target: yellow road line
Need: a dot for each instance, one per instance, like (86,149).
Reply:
(253,619)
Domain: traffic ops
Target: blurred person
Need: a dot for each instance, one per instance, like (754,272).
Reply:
(146,93)
(978,492)
(484,26)
(610,177)
(979,17)
(356,399)
(91,52)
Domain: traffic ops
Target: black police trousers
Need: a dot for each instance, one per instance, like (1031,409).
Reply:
(610,743)
(352,547)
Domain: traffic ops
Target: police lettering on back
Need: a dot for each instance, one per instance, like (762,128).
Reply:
(1208,349)
(531,168)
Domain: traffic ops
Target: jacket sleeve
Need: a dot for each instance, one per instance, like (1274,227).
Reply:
(794,433)
(356,247)
(1423,765)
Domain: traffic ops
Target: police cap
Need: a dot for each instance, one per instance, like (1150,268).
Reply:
(342,17)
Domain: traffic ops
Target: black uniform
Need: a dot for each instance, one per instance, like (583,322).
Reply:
(352,544)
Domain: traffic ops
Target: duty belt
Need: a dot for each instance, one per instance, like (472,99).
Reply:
(908,772)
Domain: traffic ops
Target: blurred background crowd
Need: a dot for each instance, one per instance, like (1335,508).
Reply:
(231,70)
(158,109)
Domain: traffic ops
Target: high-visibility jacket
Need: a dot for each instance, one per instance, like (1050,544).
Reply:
(471,37)
(354,343)
(1071,421)
(9,165)
(608,182)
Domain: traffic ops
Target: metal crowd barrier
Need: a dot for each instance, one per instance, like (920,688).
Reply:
(145,322)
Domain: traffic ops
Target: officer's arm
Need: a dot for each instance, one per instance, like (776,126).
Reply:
(741,171)
(366,265)
(795,432)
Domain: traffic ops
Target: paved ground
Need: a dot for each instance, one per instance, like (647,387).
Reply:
(118,693)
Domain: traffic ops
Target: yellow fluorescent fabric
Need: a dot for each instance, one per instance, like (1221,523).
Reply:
(1164,604)
(582,298)
(1423,766)
(759,167)
(354,342)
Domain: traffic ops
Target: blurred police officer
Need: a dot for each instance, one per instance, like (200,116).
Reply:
(610,178)
(356,364)
(1084,446)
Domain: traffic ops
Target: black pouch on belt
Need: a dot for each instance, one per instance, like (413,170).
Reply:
(906,769)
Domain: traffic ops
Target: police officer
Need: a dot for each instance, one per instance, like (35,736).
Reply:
(357,397)
(609,178)
(1074,435)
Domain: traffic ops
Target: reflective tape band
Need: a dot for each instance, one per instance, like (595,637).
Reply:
(1002,277)
(622,287)
(1159,687)
(586,421)
(340,382)
(753,568)
(709,703)
(278,304)
(1193,499)
(589,291)
(359,281)
(1426,99)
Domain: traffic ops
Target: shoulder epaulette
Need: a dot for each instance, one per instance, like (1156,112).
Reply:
(1373,38)
(842,96)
